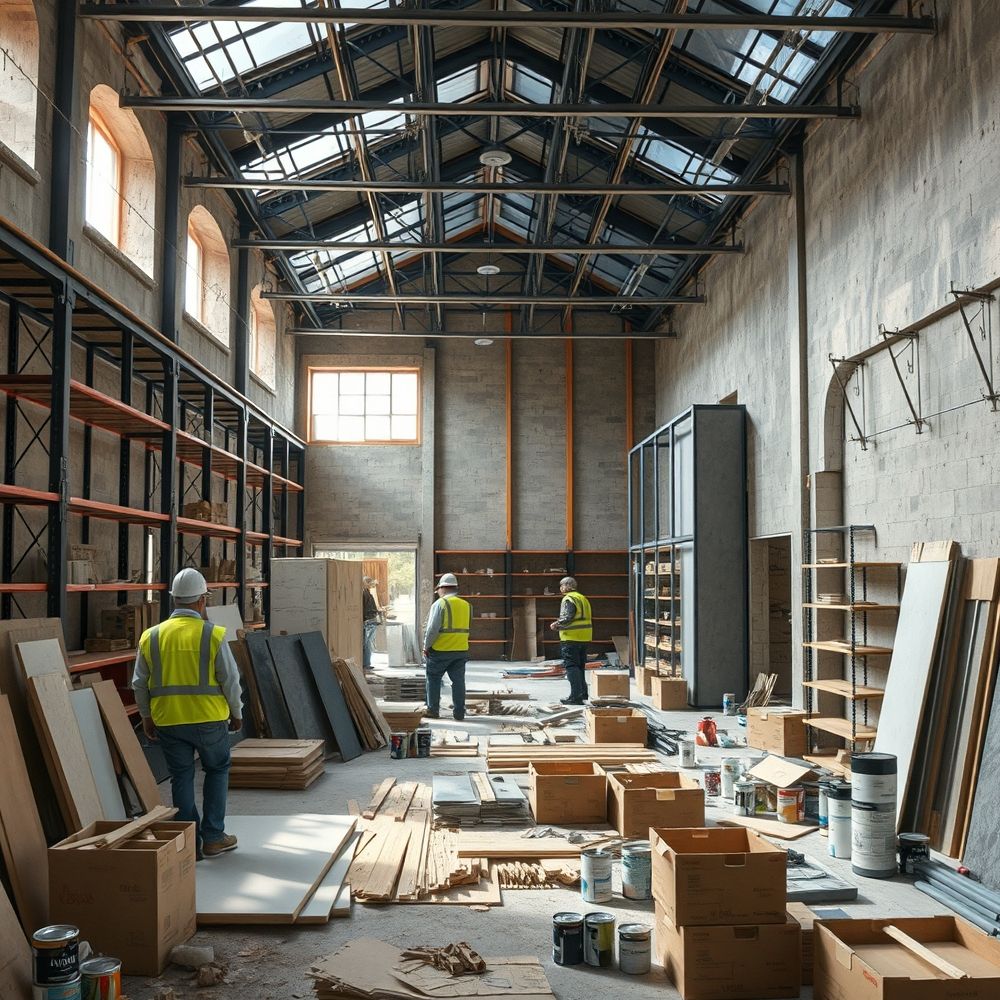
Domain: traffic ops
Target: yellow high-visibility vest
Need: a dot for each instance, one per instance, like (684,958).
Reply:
(454,634)
(183,688)
(581,628)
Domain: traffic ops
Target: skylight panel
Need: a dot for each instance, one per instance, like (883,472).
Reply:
(531,86)
(459,86)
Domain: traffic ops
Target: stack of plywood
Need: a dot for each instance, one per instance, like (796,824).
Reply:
(276,763)
(368,718)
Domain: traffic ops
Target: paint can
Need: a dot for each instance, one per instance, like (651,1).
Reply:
(637,870)
(101,979)
(599,939)
(913,849)
(685,747)
(729,704)
(873,814)
(55,954)
(744,798)
(838,801)
(567,938)
(712,779)
(766,800)
(595,875)
(398,745)
(424,741)
(634,948)
(823,816)
(791,804)
(57,991)
(732,771)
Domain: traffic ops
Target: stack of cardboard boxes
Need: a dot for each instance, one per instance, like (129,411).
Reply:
(722,932)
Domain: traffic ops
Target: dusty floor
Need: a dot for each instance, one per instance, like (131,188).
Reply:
(270,963)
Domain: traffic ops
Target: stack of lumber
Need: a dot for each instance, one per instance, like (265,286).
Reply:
(372,727)
(403,687)
(293,764)
(402,716)
(760,694)
(548,873)
(514,759)
(453,743)
(471,799)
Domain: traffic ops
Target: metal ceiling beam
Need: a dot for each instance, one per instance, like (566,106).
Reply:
(480,109)
(605,21)
(479,299)
(415,187)
(628,249)
(488,334)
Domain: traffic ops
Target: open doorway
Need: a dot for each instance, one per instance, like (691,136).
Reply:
(771,611)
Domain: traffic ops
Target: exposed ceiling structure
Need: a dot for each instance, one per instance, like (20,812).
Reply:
(540,158)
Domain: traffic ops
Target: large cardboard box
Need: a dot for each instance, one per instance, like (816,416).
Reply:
(669,693)
(779,730)
(857,959)
(726,962)
(609,684)
(805,919)
(616,725)
(637,802)
(567,792)
(135,901)
(644,680)
(718,875)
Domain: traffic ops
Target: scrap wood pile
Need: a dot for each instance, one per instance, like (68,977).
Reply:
(547,873)
(453,743)
(293,764)
(402,716)
(458,959)
(373,970)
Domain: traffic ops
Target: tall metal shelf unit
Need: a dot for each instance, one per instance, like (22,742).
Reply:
(687,531)
(854,646)
(195,437)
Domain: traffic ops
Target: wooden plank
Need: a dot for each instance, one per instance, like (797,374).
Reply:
(770,827)
(510,844)
(15,955)
(120,835)
(318,659)
(409,875)
(279,722)
(322,902)
(95,743)
(382,881)
(22,839)
(344,615)
(123,738)
(299,689)
(378,797)
(398,810)
(62,745)
(361,684)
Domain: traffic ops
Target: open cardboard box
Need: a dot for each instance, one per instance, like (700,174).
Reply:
(637,802)
(568,792)
(718,875)
(858,959)
(616,725)
(778,730)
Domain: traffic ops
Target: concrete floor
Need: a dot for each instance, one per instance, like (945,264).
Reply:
(270,963)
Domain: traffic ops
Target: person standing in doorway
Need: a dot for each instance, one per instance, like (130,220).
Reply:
(187,687)
(372,617)
(575,628)
(446,647)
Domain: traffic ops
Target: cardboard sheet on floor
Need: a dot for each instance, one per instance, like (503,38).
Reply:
(275,709)
(335,705)
(297,685)
(780,772)
(280,862)
(95,742)
(769,827)
(328,893)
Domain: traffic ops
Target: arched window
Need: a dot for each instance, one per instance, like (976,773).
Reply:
(121,179)
(263,337)
(18,77)
(206,275)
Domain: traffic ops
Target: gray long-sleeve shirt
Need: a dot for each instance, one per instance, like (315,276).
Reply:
(434,619)
(226,673)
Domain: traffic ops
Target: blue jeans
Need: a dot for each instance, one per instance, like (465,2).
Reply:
(574,657)
(452,664)
(211,740)
(369,641)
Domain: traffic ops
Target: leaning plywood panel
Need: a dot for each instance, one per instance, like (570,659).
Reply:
(95,742)
(913,655)
(299,688)
(298,596)
(982,847)
(345,582)
(15,955)
(334,702)
(42,656)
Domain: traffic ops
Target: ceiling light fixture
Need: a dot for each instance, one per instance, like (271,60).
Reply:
(494,157)
(487,270)
(482,342)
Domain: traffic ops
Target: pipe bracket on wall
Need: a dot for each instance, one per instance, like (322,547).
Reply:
(970,298)
(912,368)
(844,369)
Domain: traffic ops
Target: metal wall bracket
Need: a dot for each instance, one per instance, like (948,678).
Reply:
(855,367)
(964,298)
(913,365)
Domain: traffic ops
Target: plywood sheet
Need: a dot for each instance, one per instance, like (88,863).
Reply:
(982,846)
(328,893)
(42,656)
(770,827)
(95,742)
(15,955)
(298,595)
(297,685)
(269,879)
(920,612)
(334,704)
(279,722)
(344,587)
(227,615)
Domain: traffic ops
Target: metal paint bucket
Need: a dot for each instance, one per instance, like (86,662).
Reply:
(873,814)
(599,939)
(732,771)
(101,979)
(567,938)
(424,741)
(634,948)
(55,954)
(637,870)
(729,704)
(913,848)
(791,804)
(685,747)
(57,991)
(744,798)
(838,798)
(398,745)
(712,779)
(595,875)
(824,808)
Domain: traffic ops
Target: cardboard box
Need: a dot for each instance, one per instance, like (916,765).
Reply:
(805,918)
(856,958)
(135,901)
(609,684)
(567,792)
(637,802)
(616,725)
(779,730)
(644,680)
(725,962)
(718,875)
(669,693)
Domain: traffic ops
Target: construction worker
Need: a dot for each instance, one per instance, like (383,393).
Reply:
(371,617)
(446,647)
(576,629)
(187,687)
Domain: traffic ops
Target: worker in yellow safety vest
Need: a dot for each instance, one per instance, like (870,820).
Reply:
(446,647)
(576,629)
(187,687)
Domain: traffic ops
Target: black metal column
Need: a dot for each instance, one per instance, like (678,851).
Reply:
(169,479)
(58,541)
(64,93)
(206,468)
(172,246)
(241,513)
(125,455)
(267,522)
(10,456)
(241,347)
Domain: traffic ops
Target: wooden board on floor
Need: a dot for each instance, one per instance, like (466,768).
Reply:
(297,685)
(327,896)
(280,862)
(95,743)
(279,722)
(123,738)
(510,844)
(341,722)
(62,745)
(22,839)
(770,827)
(15,955)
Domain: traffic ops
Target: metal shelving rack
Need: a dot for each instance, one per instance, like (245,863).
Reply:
(856,649)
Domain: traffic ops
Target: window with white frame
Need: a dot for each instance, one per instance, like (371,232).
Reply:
(19,74)
(104,180)
(194,301)
(207,275)
(364,406)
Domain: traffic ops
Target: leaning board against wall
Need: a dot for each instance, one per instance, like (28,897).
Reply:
(323,594)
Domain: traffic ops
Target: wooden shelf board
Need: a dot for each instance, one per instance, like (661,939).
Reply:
(288,543)
(256,585)
(842,728)
(843,689)
(858,608)
(23,588)
(82,662)
(115,512)
(192,526)
(858,565)
(831,646)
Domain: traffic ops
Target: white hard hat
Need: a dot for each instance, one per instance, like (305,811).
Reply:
(188,586)
(447,580)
